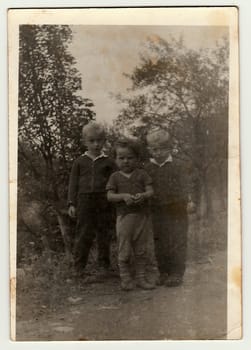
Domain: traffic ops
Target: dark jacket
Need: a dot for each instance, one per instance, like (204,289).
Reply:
(169,183)
(89,176)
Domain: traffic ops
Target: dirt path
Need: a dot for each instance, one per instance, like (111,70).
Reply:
(70,311)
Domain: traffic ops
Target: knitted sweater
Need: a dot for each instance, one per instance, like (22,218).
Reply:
(89,176)
(169,183)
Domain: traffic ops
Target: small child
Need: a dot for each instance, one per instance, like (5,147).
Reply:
(169,208)
(130,188)
(87,199)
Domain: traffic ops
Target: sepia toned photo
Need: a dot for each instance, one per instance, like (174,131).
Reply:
(124,174)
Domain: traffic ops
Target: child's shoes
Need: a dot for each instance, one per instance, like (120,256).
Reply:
(174,281)
(102,272)
(162,279)
(143,284)
(153,279)
(127,285)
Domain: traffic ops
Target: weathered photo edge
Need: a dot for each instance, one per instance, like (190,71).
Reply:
(234,225)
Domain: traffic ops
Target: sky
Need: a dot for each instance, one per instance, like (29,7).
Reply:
(105,53)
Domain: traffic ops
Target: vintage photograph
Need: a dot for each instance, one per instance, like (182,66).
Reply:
(124,148)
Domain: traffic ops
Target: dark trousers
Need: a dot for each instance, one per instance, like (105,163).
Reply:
(94,217)
(170,224)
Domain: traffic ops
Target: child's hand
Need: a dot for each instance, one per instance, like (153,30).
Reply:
(128,198)
(138,198)
(72,211)
(191,207)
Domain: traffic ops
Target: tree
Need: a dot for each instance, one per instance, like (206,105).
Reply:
(51,114)
(186,92)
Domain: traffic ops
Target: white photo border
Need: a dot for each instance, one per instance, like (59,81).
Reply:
(234,169)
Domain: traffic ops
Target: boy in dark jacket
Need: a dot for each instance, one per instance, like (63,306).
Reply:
(87,199)
(169,208)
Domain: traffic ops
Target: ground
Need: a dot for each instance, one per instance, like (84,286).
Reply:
(62,308)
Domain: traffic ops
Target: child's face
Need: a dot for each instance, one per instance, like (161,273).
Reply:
(94,143)
(159,150)
(126,160)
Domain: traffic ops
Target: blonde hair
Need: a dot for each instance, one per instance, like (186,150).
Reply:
(95,128)
(158,136)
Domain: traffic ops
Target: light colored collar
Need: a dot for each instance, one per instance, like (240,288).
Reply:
(102,155)
(125,174)
(169,159)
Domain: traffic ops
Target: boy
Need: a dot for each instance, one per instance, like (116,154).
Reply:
(87,199)
(169,208)
(130,188)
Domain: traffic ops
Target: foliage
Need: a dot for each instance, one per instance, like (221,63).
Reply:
(50,118)
(186,92)
(51,113)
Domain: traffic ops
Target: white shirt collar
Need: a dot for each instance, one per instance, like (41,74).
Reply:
(101,155)
(125,174)
(169,159)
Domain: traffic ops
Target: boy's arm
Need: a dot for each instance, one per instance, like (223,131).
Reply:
(119,197)
(72,211)
(73,184)
(185,178)
(149,191)
(144,195)
(113,196)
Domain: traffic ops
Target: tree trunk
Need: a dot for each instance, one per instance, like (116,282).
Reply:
(204,215)
(65,232)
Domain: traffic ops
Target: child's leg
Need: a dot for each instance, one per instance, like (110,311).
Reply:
(178,241)
(170,225)
(84,235)
(142,226)
(124,229)
(104,233)
(161,229)
(152,270)
(104,242)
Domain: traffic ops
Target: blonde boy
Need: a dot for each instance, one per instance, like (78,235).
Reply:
(169,207)
(87,199)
